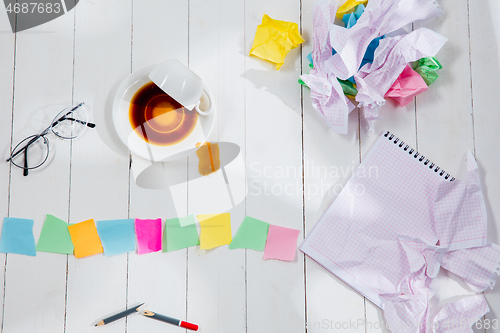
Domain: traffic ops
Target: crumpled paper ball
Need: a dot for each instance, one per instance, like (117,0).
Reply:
(427,68)
(408,85)
(274,39)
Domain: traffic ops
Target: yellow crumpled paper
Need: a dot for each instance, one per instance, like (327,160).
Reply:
(347,6)
(274,39)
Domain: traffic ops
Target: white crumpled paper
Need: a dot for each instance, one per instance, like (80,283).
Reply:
(379,18)
(391,57)
(327,96)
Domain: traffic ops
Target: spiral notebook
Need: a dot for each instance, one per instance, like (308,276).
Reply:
(395,193)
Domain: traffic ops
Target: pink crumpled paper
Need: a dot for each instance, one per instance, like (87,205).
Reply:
(408,85)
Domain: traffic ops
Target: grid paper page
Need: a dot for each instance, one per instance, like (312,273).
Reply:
(327,95)
(460,212)
(391,195)
(479,266)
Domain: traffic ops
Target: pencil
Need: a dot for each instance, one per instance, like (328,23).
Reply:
(119,315)
(170,320)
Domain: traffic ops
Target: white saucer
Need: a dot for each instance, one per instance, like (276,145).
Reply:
(121,122)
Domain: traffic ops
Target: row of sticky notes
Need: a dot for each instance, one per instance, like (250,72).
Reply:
(114,237)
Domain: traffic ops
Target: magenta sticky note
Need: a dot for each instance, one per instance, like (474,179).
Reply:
(281,243)
(408,85)
(148,233)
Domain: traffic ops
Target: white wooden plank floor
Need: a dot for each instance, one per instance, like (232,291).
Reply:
(85,54)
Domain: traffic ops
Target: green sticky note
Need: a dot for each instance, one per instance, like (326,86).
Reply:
(303,83)
(252,234)
(55,237)
(176,237)
(348,87)
(188,220)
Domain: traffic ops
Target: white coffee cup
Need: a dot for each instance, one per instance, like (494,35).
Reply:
(180,83)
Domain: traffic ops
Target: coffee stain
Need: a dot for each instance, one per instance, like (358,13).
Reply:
(209,158)
(159,119)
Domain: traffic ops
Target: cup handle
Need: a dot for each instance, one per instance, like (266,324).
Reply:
(207,112)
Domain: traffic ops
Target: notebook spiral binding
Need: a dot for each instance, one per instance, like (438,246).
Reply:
(417,155)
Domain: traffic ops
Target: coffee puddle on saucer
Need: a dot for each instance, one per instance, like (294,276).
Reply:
(158,119)
(209,158)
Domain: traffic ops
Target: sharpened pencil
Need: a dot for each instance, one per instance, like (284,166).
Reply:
(170,320)
(119,315)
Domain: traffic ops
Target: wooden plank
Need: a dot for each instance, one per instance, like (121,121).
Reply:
(485,69)
(99,176)
(444,112)
(7,67)
(275,289)
(331,304)
(444,122)
(36,286)
(160,32)
(217,277)
(400,121)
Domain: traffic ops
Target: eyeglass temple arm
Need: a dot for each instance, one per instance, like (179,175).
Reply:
(26,172)
(91,125)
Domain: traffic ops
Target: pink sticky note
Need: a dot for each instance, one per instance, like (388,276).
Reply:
(281,243)
(148,233)
(408,85)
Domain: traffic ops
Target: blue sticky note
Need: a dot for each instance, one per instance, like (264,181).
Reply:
(17,236)
(310,58)
(370,51)
(359,10)
(117,236)
(349,20)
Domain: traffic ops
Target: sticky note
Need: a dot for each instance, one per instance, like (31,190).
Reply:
(117,236)
(148,234)
(85,238)
(281,243)
(274,39)
(349,7)
(252,234)
(188,220)
(55,237)
(427,68)
(17,236)
(408,85)
(215,230)
(176,237)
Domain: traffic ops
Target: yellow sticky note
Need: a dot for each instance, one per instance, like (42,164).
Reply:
(85,238)
(274,39)
(348,7)
(215,230)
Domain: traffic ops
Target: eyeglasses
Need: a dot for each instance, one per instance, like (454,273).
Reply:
(33,151)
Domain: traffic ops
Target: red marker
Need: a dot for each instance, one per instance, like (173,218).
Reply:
(170,320)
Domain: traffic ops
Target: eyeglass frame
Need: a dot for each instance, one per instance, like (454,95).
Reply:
(46,140)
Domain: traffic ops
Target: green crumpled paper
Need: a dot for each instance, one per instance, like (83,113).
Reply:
(427,68)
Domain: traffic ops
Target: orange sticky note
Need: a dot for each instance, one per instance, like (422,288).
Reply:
(85,239)
(215,230)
